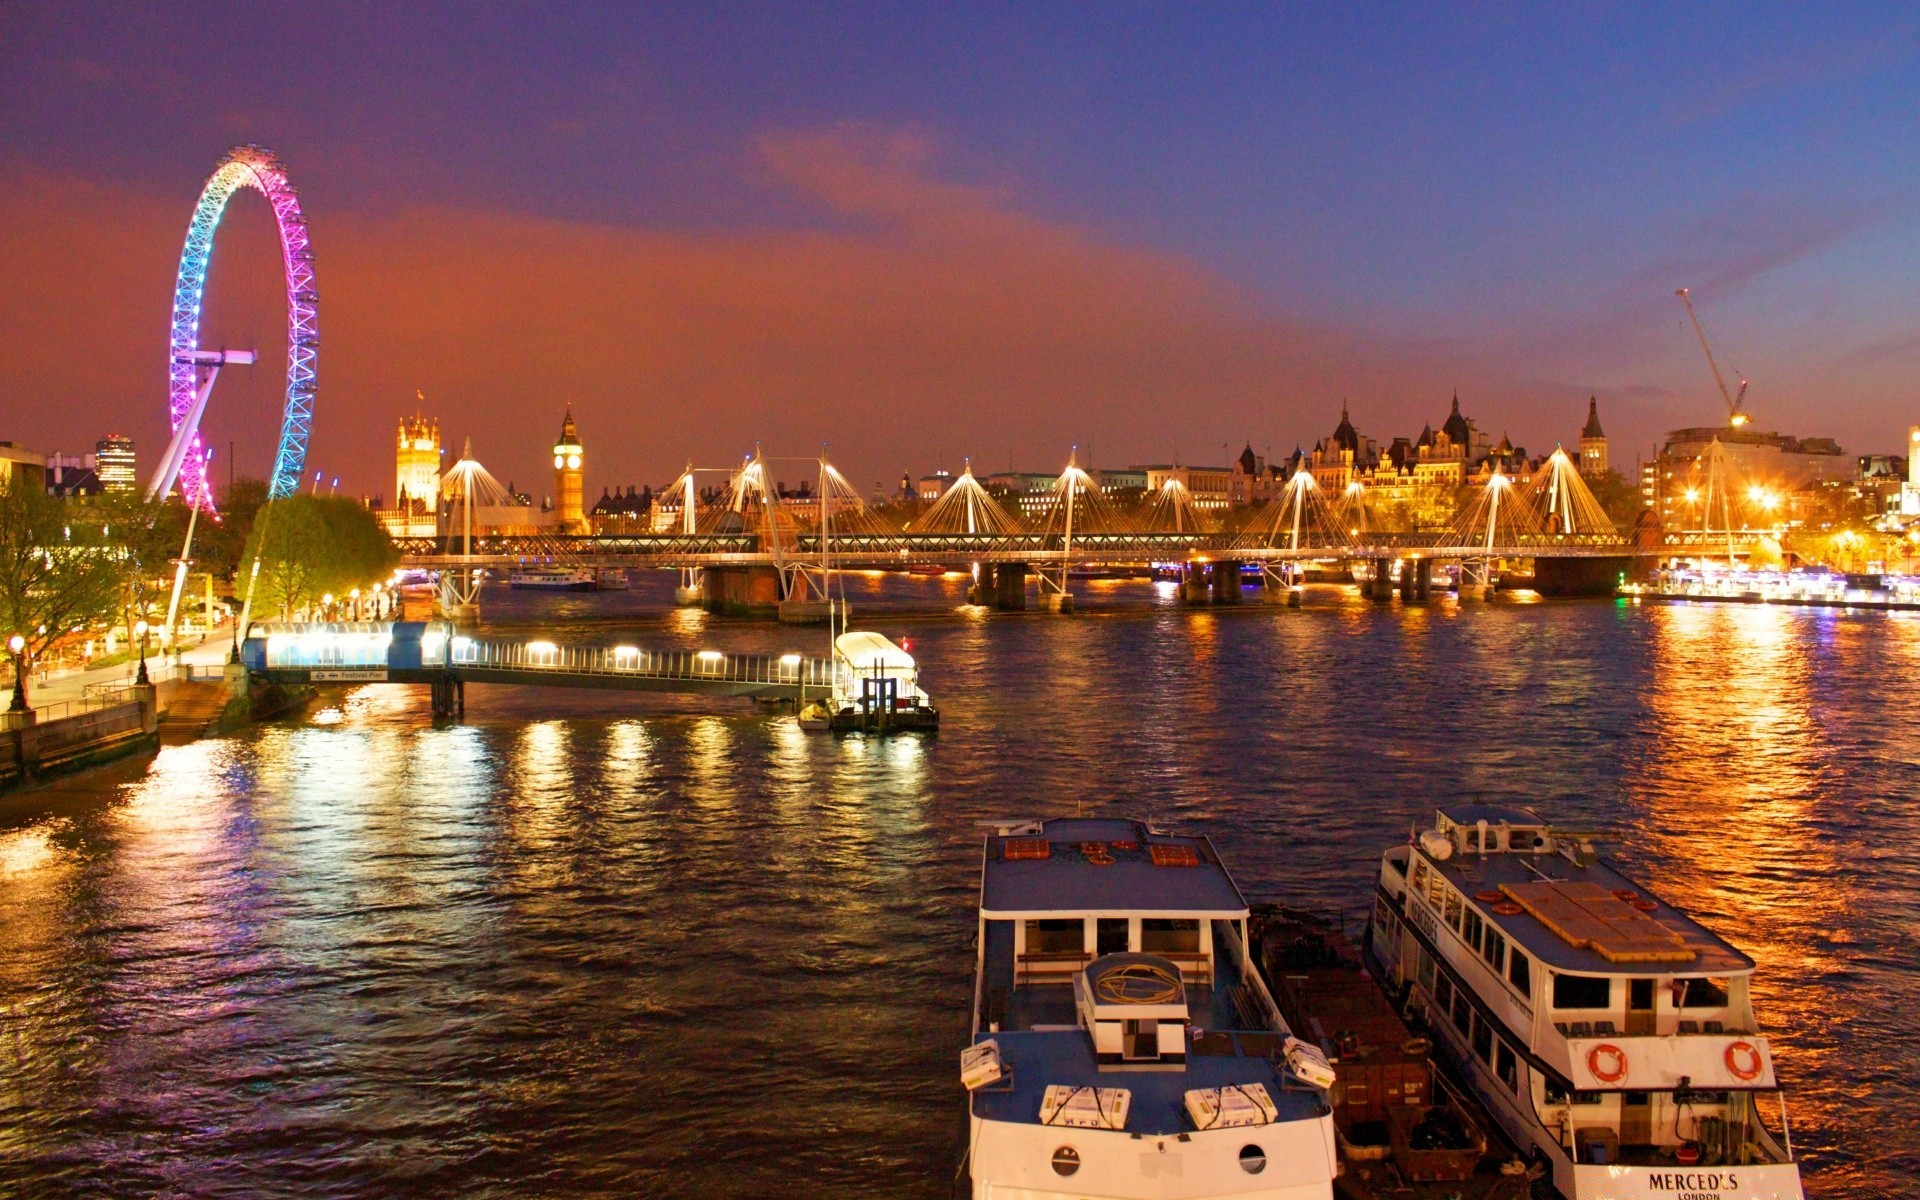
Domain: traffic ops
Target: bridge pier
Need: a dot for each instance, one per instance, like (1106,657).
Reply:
(1010,587)
(1379,587)
(1579,576)
(981,590)
(1225,582)
(449,697)
(1422,580)
(1193,583)
(691,590)
(742,591)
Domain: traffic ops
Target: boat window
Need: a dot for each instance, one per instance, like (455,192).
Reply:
(1453,909)
(1705,993)
(1462,1012)
(1170,935)
(1505,1066)
(1582,991)
(1057,935)
(1494,950)
(1519,975)
(1483,1041)
(1443,993)
(1426,970)
(1112,936)
(1472,929)
(1399,868)
(1420,877)
(1559,1095)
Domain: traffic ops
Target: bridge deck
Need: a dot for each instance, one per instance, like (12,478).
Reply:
(861,550)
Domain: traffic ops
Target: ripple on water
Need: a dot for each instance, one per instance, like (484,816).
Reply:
(589,945)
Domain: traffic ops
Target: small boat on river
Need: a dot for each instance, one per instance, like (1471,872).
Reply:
(1605,1031)
(1124,1043)
(554,579)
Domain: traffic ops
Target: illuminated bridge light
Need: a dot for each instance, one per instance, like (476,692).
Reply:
(711,656)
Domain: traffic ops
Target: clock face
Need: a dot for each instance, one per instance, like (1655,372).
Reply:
(558,462)
(573,461)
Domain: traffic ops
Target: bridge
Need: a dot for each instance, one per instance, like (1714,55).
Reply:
(752,550)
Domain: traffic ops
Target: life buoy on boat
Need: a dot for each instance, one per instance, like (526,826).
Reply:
(1489,897)
(1617,1068)
(1507,909)
(1737,1052)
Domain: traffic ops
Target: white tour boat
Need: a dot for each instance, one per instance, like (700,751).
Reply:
(553,579)
(1607,1032)
(1124,1043)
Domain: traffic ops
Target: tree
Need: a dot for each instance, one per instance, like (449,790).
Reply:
(1620,499)
(58,571)
(147,538)
(220,543)
(313,546)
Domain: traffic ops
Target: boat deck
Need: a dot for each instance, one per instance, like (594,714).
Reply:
(1226,1004)
(1042,1043)
(1036,1059)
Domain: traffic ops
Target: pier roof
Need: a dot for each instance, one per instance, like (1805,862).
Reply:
(1099,865)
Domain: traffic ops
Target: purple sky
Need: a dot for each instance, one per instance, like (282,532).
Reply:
(917,234)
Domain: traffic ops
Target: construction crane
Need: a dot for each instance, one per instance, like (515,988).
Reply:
(1736,416)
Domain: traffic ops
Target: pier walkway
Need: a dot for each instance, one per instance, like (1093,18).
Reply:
(423,653)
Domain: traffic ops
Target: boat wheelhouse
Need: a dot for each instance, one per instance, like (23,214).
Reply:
(1124,1043)
(1602,1028)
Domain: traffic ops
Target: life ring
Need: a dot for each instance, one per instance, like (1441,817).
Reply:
(1732,1055)
(1625,894)
(1489,897)
(1646,905)
(1618,1071)
(1507,909)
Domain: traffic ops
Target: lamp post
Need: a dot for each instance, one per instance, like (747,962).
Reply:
(140,631)
(18,645)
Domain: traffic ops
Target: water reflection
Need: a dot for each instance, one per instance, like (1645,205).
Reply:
(563,947)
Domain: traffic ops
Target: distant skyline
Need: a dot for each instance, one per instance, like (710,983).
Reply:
(917,234)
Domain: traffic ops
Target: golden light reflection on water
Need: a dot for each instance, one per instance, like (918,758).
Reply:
(1729,797)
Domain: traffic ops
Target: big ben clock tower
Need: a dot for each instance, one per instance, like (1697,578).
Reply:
(567,478)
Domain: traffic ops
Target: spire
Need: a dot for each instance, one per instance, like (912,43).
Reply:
(569,436)
(1344,434)
(1593,419)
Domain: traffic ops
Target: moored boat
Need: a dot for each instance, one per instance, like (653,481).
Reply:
(1605,1031)
(1403,1129)
(1124,1044)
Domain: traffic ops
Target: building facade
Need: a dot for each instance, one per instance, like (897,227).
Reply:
(1678,483)
(416,468)
(115,463)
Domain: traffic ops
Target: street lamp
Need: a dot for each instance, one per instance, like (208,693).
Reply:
(18,644)
(140,631)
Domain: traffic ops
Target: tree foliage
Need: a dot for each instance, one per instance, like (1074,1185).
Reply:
(311,546)
(147,539)
(59,571)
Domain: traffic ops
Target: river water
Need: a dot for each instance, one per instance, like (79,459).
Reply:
(592,944)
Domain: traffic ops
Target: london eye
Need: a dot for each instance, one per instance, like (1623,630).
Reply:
(191,370)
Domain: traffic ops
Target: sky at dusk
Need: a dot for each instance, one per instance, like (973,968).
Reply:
(920,233)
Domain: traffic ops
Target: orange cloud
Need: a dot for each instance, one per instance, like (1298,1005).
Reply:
(920,320)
